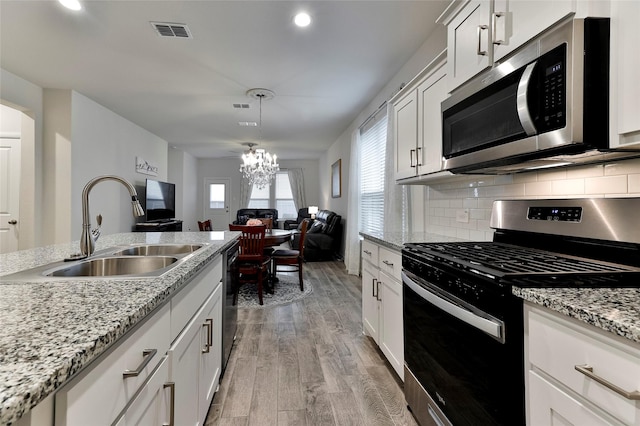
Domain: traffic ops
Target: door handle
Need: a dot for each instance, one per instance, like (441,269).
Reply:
(13,222)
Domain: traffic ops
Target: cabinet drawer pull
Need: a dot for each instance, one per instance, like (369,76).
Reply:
(147,354)
(209,325)
(172,404)
(386,262)
(366,252)
(411,158)
(587,370)
(481,52)
(494,18)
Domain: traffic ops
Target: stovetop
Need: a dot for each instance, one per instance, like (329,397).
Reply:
(510,264)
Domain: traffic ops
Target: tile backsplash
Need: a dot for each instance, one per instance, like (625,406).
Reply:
(462,208)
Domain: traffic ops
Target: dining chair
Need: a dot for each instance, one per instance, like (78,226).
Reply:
(268,222)
(205,225)
(253,265)
(292,258)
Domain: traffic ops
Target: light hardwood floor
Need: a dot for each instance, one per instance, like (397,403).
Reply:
(308,363)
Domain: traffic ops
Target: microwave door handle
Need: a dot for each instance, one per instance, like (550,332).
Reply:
(492,328)
(522,102)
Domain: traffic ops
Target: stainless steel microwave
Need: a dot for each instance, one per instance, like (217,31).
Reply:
(546,105)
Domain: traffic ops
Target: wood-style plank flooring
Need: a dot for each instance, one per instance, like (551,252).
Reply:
(308,363)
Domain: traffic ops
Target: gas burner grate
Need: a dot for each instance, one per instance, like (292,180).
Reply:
(502,260)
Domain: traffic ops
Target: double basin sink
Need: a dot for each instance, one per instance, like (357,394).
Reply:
(138,261)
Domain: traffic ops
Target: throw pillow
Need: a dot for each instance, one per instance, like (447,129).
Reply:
(242,219)
(316,227)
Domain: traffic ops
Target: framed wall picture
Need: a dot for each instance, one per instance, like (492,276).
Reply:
(336,179)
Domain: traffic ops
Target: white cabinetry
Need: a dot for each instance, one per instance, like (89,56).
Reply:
(417,126)
(482,32)
(625,63)
(144,379)
(382,301)
(578,374)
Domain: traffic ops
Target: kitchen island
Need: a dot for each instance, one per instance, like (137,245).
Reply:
(51,329)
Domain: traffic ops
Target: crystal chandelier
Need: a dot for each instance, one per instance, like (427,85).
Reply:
(258,166)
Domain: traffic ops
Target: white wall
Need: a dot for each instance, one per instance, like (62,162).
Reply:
(183,172)
(229,168)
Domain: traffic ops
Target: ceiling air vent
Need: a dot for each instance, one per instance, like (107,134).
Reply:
(170,29)
(241,106)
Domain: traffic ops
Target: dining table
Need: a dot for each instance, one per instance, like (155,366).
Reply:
(275,237)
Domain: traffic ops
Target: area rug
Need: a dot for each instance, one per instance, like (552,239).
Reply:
(287,290)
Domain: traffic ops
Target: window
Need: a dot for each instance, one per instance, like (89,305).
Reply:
(278,196)
(373,143)
(216,196)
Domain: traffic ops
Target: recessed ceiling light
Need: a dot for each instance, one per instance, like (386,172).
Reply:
(302,19)
(71,4)
(247,124)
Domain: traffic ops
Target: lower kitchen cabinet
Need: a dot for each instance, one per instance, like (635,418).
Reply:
(167,368)
(578,374)
(382,301)
(196,362)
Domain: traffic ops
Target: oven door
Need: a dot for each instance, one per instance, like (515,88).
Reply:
(469,362)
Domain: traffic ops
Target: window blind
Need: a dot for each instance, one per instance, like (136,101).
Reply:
(373,143)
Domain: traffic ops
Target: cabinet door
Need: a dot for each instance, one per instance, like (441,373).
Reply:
(514,22)
(153,404)
(405,131)
(549,406)
(211,356)
(391,333)
(625,88)
(469,42)
(370,304)
(430,95)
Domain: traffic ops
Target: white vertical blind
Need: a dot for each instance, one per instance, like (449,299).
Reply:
(372,172)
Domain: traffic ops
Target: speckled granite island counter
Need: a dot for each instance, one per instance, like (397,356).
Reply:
(614,310)
(50,330)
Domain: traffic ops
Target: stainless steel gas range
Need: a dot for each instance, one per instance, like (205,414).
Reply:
(463,327)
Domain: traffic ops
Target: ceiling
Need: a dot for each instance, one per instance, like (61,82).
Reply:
(183,89)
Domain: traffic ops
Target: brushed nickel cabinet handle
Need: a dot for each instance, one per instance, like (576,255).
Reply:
(494,18)
(13,222)
(418,157)
(373,288)
(366,252)
(147,354)
(378,292)
(209,325)
(587,370)
(386,262)
(172,404)
(481,52)
(411,158)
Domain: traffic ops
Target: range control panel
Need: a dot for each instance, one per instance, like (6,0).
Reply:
(557,214)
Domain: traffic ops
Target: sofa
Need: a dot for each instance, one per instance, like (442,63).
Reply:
(303,214)
(323,238)
(243,215)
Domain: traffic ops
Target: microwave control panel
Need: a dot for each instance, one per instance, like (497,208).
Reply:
(551,72)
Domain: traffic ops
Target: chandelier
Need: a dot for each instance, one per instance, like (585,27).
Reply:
(258,166)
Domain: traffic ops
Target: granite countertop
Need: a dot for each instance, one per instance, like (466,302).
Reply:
(52,329)
(616,310)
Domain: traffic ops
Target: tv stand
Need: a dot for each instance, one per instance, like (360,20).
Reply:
(159,226)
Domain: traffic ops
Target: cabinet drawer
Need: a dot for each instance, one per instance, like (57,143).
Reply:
(97,396)
(187,302)
(370,252)
(557,345)
(390,262)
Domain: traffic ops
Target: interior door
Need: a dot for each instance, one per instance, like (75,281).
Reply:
(217,196)
(9,194)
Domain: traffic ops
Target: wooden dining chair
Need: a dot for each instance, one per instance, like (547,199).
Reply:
(252,264)
(292,258)
(268,222)
(205,225)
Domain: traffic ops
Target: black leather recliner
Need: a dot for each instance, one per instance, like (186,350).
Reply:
(323,238)
(243,215)
(303,214)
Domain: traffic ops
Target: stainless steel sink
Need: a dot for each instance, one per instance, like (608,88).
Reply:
(158,250)
(114,266)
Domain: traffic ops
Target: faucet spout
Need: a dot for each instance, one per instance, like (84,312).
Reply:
(88,238)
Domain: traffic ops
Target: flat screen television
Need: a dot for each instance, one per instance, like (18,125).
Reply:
(160,200)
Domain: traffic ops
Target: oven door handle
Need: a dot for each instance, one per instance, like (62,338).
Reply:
(492,328)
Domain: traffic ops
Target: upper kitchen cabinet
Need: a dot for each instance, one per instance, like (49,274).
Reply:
(625,63)
(480,33)
(417,124)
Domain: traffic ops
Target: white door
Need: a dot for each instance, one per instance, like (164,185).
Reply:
(217,196)
(9,194)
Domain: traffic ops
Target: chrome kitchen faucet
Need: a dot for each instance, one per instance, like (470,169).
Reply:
(89,237)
